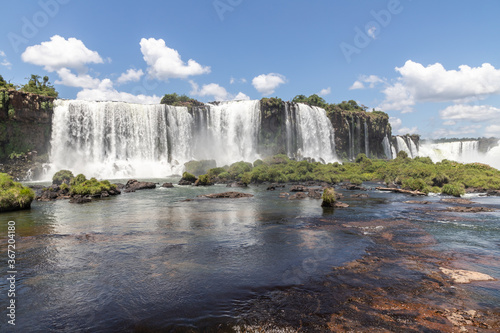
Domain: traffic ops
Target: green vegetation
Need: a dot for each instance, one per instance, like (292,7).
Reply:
(91,187)
(189,177)
(328,197)
(315,100)
(199,167)
(413,174)
(63,176)
(6,85)
(44,87)
(14,196)
(182,100)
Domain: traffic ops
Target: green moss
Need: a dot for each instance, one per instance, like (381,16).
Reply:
(328,197)
(13,195)
(189,177)
(199,167)
(204,180)
(454,189)
(78,180)
(92,187)
(62,176)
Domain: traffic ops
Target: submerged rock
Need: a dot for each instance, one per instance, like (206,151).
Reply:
(463,276)
(315,194)
(360,195)
(298,195)
(228,195)
(284,194)
(462,209)
(167,185)
(135,185)
(78,199)
(458,201)
(298,188)
(237,184)
(417,202)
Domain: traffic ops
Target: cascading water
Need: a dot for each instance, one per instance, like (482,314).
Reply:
(386,144)
(413,147)
(116,140)
(402,146)
(351,146)
(316,133)
(461,151)
(367,145)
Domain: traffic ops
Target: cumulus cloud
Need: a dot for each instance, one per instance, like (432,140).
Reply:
(165,63)
(61,53)
(371,80)
(474,113)
(396,124)
(233,80)
(454,132)
(67,78)
(4,61)
(106,92)
(266,84)
(436,84)
(216,91)
(492,130)
(326,91)
(131,75)
(241,96)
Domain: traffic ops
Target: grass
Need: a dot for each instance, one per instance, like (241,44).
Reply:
(13,195)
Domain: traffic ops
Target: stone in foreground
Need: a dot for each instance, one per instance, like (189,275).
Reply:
(226,195)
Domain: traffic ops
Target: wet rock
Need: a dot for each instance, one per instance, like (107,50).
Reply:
(183,182)
(315,194)
(298,195)
(271,188)
(399,190)
(135,185)
(298,188)
(339,204)
(463,276)
(237,184)
(463,209)
(78,199)
(360,195)
(284,194)
(493,193)
(417,202)
(458,201)
(119,186)
(226,195)
(104,194)
(167,185)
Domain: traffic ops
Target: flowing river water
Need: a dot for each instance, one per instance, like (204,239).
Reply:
(152,259)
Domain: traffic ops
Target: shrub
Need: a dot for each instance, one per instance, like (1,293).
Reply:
(212,173)
(92,187)
(13,195)
(440,180)
(204,180)
(224,175)
(189,177)
(328,197)
(257,163)
(62,176)
(238,168)
(77,180)
(454,189)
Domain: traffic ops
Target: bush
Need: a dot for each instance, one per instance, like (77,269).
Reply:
(92,187)
(13,195)
(224,175)
(77,180)
(257,163)
(212,173)
(238,168)
(204,180)
(440,180)
(454,189)
(328,197)
(189,177)
(62,176)
(199,167)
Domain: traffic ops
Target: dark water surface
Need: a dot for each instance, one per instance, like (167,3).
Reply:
(149,257)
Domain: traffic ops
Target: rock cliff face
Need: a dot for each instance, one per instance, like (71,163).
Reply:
(25,126)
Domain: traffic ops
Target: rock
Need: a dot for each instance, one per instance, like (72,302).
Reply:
(167,185)
(298,188)
(183,182)
(399,190)
(463,276)
(315,194)
(228,195)
(134,185)
(104,194)
(493,193)
(329,197)
(339,204)
(119,186)
(417,202)
(284,194)
(298,195)
(352,187)
(271,188)
(237,184)
(360,195)
(463,209)
(78,199)
(458,201)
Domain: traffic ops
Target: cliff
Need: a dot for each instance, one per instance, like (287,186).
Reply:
(25,130)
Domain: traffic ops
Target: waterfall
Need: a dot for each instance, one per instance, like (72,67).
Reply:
(386,144)
(367,146)
(402,146)
(461,151)
(290,123)
(316,133)
(413,147)
(351,153)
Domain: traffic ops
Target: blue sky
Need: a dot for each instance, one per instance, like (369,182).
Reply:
(434,67)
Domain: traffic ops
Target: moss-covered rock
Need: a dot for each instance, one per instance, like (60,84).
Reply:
(14,196)
(199,167)
(328,197)
(62,176)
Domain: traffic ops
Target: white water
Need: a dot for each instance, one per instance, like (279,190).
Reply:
(316,133)
(413,147)
(461,151)
(387,147)
(402,146)
(367,153)
(121,140)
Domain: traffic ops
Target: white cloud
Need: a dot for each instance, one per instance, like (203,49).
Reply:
(372,32)
(4,61)
(474,113)
(241,96)
(454,132)
(407,130)
(267,83)
(131,75)
(233,80)
(492,130)
(61,53)
(357,85)
(436,84)
(395,122)
(107,93)
(372,80)
(325,92)
(82,80)
(450,123)
(165,63)
(219,93)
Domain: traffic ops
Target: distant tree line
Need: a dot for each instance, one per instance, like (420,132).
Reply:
(36,85)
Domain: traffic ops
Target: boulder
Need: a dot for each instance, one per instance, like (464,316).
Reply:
(237,184)
(167,185)
(14,196)
(298,195)
(183,182)
(298,188)
(271,188)
(458,201)
(360,195)
(339,204)
(315,194)
(284,194)
(226,195)
(135,185)
(329,198)
(417,202)
(462,209)
(78,199)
